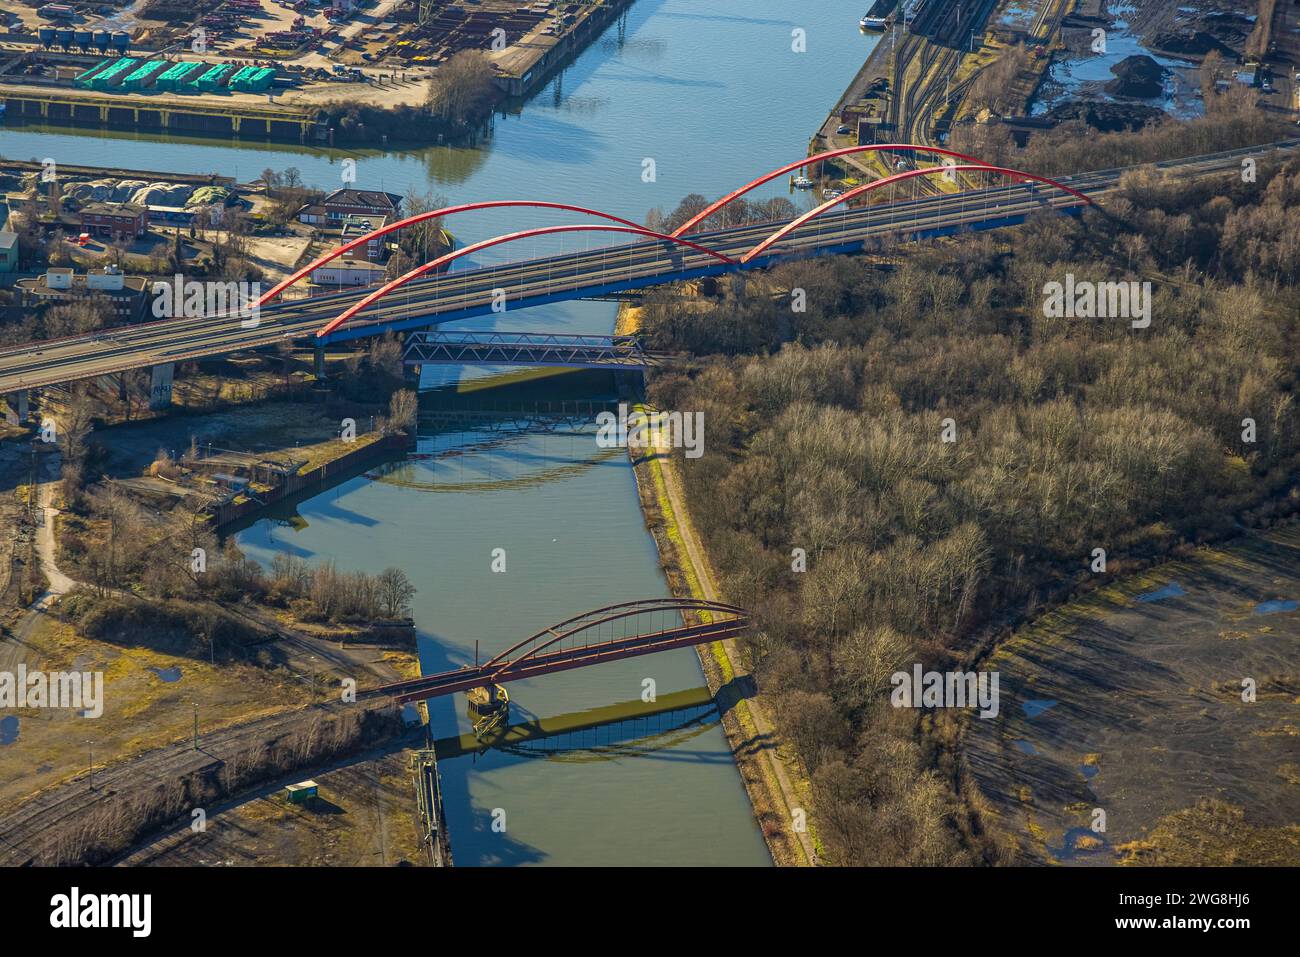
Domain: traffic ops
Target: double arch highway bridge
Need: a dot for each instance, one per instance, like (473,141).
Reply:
(427,297)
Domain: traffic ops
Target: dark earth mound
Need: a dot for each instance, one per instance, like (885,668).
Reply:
(1139,77)
(1106,117)
(1195,43)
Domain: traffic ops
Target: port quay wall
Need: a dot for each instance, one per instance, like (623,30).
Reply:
(234,511)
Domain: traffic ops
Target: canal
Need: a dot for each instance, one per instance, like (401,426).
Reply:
(671,101)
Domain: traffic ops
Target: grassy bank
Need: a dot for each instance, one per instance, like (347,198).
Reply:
(772,792)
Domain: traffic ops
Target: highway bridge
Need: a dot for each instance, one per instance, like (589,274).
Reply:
(427,297)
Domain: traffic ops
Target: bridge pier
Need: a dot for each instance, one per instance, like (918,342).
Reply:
(318,363)
(17,406)
(488,707)
(160,389)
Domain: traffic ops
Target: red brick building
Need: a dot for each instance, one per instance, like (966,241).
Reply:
(114,220)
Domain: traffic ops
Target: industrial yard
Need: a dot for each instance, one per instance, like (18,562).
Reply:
(268,68)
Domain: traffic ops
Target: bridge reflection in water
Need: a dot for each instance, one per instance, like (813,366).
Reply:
(629,729)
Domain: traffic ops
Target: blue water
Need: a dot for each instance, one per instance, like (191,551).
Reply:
(1036,707)
(1273,607)
(1172,590)
(1025,747)
(167,675)
(1070,849)
(8,729)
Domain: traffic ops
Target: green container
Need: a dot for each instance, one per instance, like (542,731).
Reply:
(175,74)
(141,77)
(106,79)
(83,79)
(211,80)
(262,79)
(239,82)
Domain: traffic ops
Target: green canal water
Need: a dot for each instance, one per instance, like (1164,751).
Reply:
(714,94)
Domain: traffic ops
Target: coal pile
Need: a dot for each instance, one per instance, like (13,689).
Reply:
(1138,77)
(1106,117)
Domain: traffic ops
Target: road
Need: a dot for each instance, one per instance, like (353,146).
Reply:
(568,276)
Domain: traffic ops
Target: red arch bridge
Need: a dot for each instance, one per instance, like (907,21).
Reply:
(984,196)
(626,630)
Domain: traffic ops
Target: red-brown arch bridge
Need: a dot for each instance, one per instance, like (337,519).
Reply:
(612,633)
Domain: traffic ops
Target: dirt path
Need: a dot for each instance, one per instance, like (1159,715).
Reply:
(15,648)
(780,772)
(59,584)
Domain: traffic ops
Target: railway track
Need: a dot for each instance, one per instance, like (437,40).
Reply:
(33,831)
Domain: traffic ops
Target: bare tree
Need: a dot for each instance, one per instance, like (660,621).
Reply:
(463,88)
(403,409)
(74,425)
(395,592)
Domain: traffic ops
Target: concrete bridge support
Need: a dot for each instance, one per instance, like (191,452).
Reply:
(17,407)
(318,363)
(160,389)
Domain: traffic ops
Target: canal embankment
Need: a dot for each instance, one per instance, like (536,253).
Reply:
(773,779)
(777,787)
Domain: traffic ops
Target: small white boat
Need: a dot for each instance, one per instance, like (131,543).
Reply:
(803,182)
(832,193)
(873,23)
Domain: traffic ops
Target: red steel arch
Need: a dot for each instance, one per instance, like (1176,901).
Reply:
(790,168)
(507,659)
(496,241)
(419,218)
(888,180)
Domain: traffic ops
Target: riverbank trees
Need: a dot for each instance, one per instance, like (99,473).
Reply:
(947,458)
